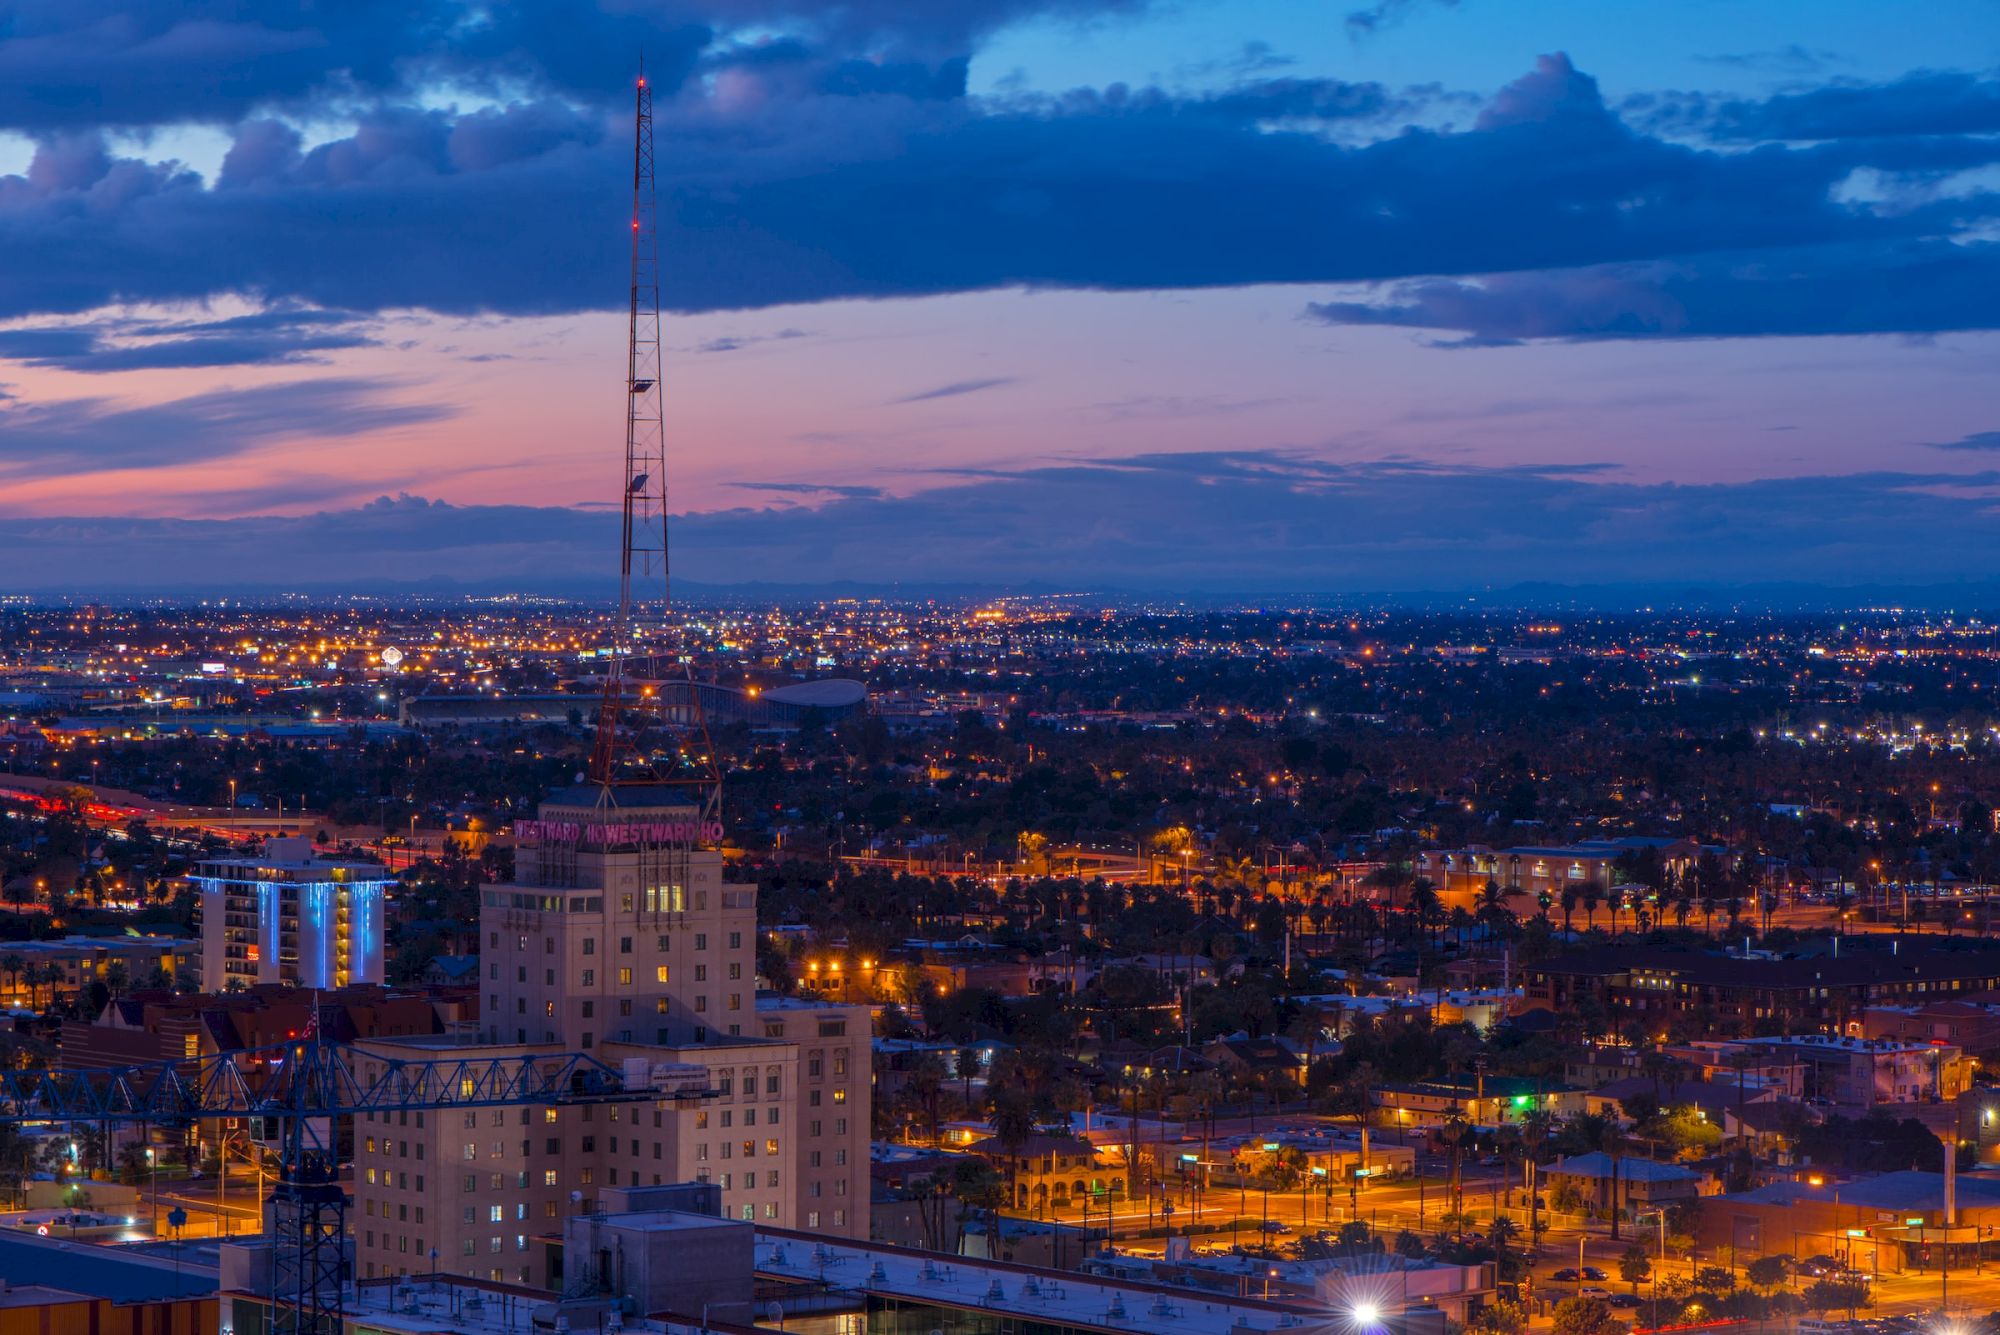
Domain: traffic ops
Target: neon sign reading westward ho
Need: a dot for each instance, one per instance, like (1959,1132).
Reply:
(620,832)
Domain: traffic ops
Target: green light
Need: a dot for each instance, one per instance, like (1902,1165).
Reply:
(1522,1100)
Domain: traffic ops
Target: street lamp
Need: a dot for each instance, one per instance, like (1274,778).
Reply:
(153,1168)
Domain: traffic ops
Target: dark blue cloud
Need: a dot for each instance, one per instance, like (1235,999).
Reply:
(857,167)
(956,388)
(78,63)
(814,490)
(89,435)
(278,337)
(1978,441)
(1205,523)
(1373,18)
(1891,287)
(1793,58)
(1925,102)
(737,342)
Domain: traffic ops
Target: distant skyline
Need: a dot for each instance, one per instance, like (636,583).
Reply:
(1204,295)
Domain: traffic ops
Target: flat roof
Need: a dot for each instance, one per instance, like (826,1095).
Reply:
(255,864)
(664,1221)
(422,1305)
(1909,1189)
(94,1270)
(827,693)
(1058,1296)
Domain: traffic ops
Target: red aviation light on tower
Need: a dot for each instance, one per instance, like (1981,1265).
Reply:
(641,630)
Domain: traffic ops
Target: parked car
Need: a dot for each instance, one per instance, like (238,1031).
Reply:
(1276,1226)
(1567,1275)
(1593,1291)
(1594,1275)
(1624,1300)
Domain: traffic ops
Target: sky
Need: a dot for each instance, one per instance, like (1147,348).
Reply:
(1196,296)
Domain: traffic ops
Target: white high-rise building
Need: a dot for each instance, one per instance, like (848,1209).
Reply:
(618,938)
(289,917)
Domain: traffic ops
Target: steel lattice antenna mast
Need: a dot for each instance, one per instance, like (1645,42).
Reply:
(642,564)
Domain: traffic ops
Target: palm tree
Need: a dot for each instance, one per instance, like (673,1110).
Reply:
(1453,1133)
(1426,909)
(1206,1089)
(1508,1143)
(1592,895)
(1500,1236)
(1493,910)
(923,1092)
(16,1159)
(1013,1122)
(1611,1139)
(1536,1128)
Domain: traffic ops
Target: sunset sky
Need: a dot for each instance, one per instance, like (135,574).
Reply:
(1204,295)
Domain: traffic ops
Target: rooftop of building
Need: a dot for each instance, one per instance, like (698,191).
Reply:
(1489,1087)
(1722,1095)
(64,945)
(1980,1006)
(1031,1293)
(1591,848)
(420,1305)
(1840,1043)
(666,1221)
(1034,1146)
(1901,1191)
(91,1270)
(1852,966)
(777,1001)
(826,693)
(1598,1164)
(295,853)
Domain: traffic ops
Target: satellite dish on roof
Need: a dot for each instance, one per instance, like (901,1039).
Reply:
(391,656)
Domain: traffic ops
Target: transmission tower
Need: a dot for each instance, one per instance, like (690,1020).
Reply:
(640,631)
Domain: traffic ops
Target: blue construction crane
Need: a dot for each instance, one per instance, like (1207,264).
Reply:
(304,1087)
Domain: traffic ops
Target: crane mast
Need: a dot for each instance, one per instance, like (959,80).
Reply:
(306,1085)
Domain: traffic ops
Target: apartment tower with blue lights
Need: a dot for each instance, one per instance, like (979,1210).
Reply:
(286,916)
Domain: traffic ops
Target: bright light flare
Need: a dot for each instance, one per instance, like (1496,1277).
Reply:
(1366,1316)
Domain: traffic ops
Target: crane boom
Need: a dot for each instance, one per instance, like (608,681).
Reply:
(303,1079)
(305,1084)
